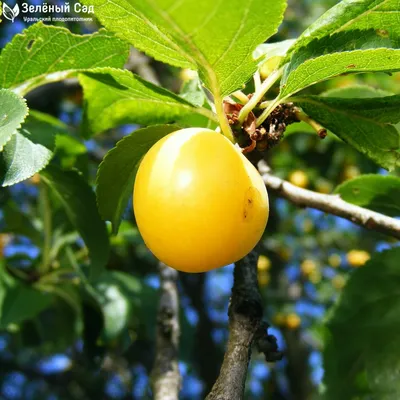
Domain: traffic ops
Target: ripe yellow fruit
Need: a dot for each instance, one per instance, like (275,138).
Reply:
(264,263)
(279,319)
(351,172)
(35,179)
(335,260)
(284,253)
(263,278)
(323,186)
(357,258)
(338,282)
(199,203)
(307,267)
(308,225)
(315,277)
(293,321)
(299,178)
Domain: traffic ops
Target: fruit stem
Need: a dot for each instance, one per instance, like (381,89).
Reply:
(257,80)
(271,106)
(259,94)
(223,120)
(321,131)
(264,104)
(241,96)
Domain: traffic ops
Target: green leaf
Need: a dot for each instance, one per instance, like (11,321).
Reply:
(18,301)
(356,91)
(48,122)
(192,91)
(31,148)
(70,152)
(115,97)
(362,353)
(380,15)
(118,296)
(66,327)
(363,123)
(29,151)
(377,192)
(13,110)
(265,51)
(79,202)
(43,54)
(381,109)
(116,174)
(217,38)
(347,52)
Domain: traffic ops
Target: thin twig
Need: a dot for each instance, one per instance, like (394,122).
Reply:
(165,377)
(331,204)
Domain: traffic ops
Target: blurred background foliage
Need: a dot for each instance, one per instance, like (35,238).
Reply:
(63,338)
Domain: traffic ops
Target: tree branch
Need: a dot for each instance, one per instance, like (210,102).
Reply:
(165,377)
(331,204)
(245,327)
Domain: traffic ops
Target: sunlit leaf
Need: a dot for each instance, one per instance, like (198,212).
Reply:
(117,172)
(366,124)
(115,97)
(215,37)
(44,53)
(347,52)
(13,110)
(377,192)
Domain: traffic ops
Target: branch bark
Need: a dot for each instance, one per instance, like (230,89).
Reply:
(165,377)
(331,204)
(245,328)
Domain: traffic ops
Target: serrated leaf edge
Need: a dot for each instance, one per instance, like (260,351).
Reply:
(351,70)
(36,172)
(22,88)
(21,123)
